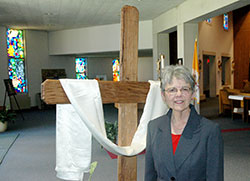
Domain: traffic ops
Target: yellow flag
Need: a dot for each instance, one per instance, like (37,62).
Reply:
(195,72)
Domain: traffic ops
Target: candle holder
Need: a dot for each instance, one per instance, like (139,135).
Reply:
(160,65)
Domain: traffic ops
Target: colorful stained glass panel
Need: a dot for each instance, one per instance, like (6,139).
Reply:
(81,76)
(81,68)
(16,73)
(116,70)
(225,21)
(15,43)
(209,20)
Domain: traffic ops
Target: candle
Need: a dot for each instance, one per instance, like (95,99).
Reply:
(162,61)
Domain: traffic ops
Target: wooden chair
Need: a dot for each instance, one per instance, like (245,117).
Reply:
(225,102)
(246,101)
(246,86)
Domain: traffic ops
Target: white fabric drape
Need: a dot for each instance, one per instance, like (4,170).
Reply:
(84,116)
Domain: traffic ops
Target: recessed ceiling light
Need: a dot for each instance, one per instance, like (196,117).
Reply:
(48,14)
(50,25)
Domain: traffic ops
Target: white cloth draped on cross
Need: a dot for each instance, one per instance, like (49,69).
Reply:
(78,121)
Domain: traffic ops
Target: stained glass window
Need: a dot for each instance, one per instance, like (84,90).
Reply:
(15,43)
(225,21)
(16,73)
(209,20)
(81,69)
(116,70)
(16,65)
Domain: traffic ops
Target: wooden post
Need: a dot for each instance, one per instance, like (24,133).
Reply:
(127,114)
(128,93)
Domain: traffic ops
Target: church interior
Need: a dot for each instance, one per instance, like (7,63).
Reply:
(58,37)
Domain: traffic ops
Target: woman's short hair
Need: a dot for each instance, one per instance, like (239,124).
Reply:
(179,72)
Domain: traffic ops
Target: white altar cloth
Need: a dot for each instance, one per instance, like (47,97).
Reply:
(76,122)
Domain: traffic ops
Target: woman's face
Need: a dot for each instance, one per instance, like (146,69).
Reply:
(178,95)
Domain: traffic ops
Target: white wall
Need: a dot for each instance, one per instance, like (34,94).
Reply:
(145,69)
(190,34)
(99,66)
(37,58)
(104,38)
(103,66)
(161,46)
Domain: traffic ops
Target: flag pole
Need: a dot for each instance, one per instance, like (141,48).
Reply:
(195,73)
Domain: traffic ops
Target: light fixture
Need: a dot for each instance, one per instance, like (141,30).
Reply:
(49,14)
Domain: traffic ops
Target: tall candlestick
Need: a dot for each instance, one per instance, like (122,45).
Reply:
(162,61)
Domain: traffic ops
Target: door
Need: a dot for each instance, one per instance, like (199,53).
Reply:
(209,75)
(225,71)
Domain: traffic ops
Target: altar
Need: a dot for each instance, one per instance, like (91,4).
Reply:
(240,102)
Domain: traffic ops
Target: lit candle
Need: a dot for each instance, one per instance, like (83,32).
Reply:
(162,61)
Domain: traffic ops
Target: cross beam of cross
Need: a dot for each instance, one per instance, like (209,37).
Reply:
(111,92)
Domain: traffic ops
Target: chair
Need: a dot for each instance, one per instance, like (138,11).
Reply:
(225,102)
(246,86)
(246,101)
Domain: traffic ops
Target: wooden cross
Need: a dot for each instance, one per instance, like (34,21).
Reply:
(127,93)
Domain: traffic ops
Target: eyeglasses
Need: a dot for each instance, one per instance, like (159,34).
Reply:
(173,90)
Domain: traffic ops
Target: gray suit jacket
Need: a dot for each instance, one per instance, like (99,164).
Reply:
(199,154)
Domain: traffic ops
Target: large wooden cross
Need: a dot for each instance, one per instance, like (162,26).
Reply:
(127,93)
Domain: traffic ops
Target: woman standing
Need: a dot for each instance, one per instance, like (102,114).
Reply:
(182,145)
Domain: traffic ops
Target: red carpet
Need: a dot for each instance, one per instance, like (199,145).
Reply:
(234,130)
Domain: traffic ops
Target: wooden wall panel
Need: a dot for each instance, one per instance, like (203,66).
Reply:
(241,21)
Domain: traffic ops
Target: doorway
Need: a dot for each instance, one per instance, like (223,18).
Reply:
(225,71)
(173,48)
(209,75)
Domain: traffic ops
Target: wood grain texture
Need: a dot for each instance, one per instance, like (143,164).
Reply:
(129,43)
(127,125)
(241,26)
(53,93)
(128,93)
(127,116)
(111,92)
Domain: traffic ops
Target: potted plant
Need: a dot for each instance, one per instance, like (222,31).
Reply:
(6,116)
(112,130)
(112,133)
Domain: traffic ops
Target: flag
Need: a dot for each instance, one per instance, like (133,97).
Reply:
(195,72)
